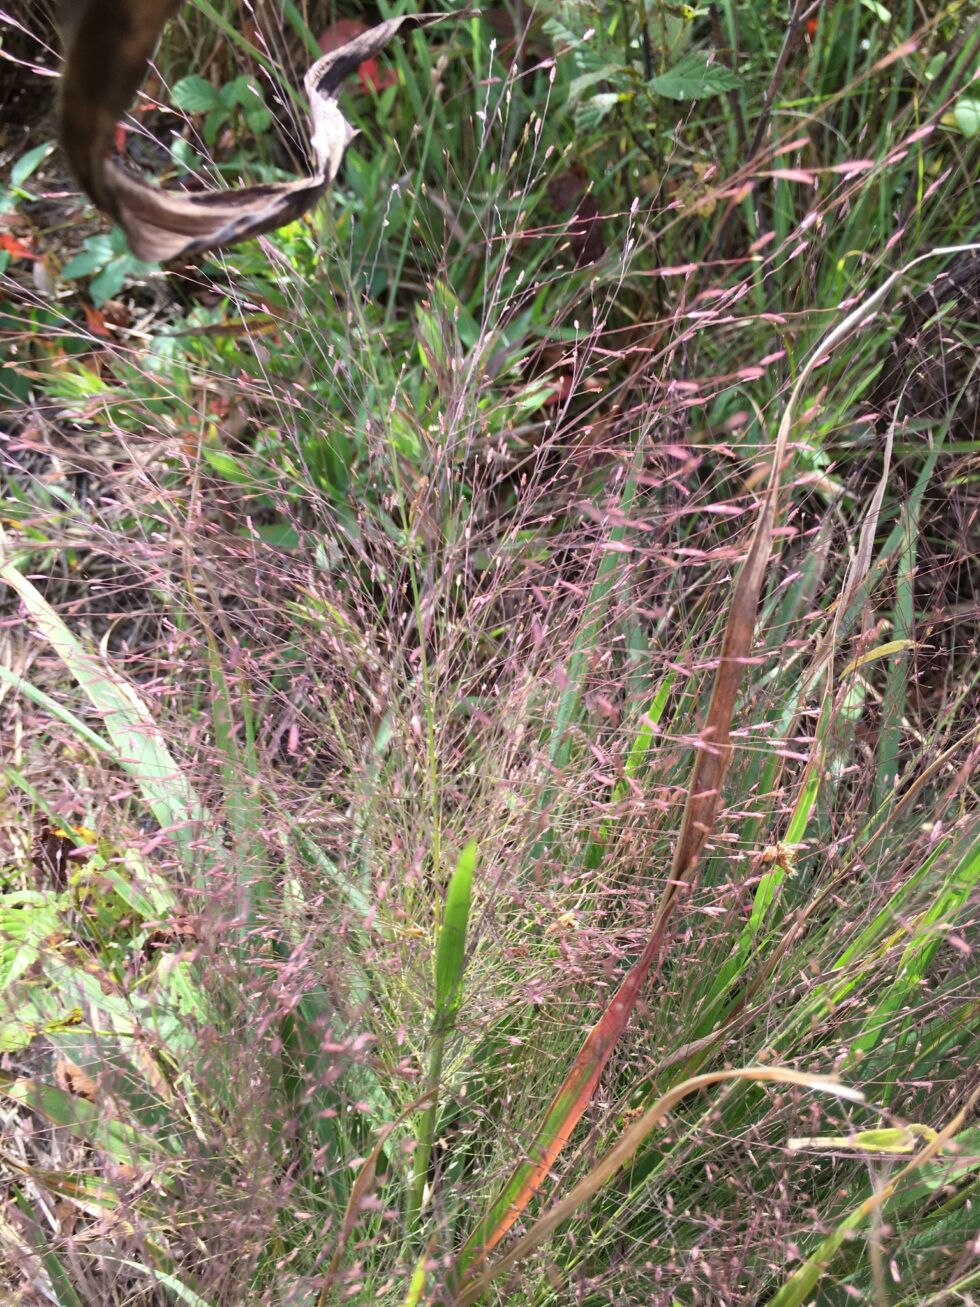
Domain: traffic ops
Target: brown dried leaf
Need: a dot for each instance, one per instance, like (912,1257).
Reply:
(108,44)
(71,1079)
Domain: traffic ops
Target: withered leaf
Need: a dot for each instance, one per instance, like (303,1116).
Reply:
(107,46)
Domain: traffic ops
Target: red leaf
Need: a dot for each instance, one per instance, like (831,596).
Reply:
(15,248)
(95,321)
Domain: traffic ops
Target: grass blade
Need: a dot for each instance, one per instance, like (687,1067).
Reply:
(631,1141)
(449,966)
(139,744)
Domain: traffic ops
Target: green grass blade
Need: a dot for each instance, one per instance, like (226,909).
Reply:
(139,744)
(450,963)
(451,945)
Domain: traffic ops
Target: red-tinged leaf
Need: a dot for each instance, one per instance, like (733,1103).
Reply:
(17,249)
(95,321)
(371,77)
(565,1111)
(626,1147)
(704,790)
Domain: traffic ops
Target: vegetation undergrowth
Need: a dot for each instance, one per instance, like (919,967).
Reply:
(489,675)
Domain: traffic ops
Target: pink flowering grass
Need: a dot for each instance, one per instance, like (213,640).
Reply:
(489,727)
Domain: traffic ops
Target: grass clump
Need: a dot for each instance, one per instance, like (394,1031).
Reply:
(490,683)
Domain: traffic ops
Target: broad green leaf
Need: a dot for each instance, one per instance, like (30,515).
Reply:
(109,282)
(27,919)
(693,78)
(95,254)
(228,466)
(966,112)
(195,95)
(124,1143)
(579,85)
(138,741)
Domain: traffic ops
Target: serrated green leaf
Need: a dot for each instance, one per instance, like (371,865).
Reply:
(213,124)
(195,95)
(257,116)
(244,91)
(694,78)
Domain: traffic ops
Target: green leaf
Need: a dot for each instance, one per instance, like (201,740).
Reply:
(590,113)
(967,115)
(184,154)
(95,254)
(882,14)
(228,466)
(693,78)
(182,1292)
(109,282)
(213,124)
(244,91)
(125,1144)
(195,95)
(140,746)
(27,919)
(579,85)
(28,162)
(451,947)
(280,535)
(257,116)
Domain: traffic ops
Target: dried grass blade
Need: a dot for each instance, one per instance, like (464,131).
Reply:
(799,1288)
(628,1145)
